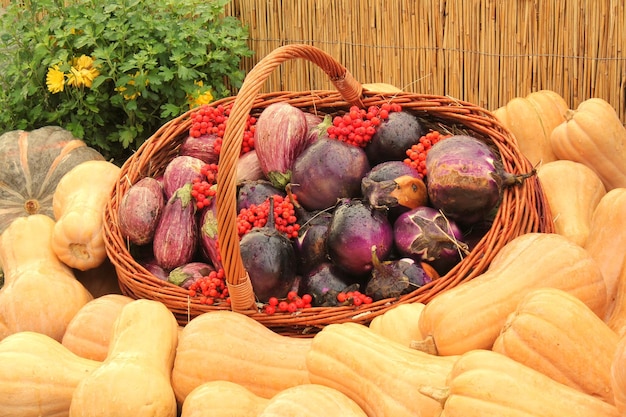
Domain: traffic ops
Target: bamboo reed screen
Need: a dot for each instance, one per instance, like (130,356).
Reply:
(482,51)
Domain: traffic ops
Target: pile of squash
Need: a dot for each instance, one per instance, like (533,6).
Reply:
(541,333)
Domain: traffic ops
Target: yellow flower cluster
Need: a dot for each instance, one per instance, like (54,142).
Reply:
(131,83)
(202,96)
(82,73)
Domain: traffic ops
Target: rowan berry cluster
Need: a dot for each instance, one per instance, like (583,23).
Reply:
(285,219)
(291,304)
(359,125)
(211,288)
(416,155)
(211,120)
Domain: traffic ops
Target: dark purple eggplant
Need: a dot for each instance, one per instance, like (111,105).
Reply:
(185,275)
(466,178)
(270,259)
(281,134)
(327,171)
(325,281)
(394,278)
(310,245)
(154,268)
(140,210)
(354,230)
(391,169)
(176,236)
(255,192)
(201,147)
(425,234)
(180,171)
(393,137)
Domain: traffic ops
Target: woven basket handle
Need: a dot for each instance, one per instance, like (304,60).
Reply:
(239,285)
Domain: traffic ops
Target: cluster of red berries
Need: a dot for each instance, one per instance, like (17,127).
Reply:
(355,298)
(358,125)
(211,120)
(285,219)
(210,288)
(291,304)
(202,189)
(417,153)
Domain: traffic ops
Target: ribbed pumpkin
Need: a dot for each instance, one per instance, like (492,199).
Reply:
(32,165)
(618,376)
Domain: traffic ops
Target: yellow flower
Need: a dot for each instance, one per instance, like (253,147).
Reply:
(82,72)
(201,96)
(55,79)
(131,82)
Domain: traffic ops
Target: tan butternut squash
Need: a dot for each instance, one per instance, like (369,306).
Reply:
(531,119)
(89,332)
(484,383)
(38,375)
(222,399)
(616,318)
(311,400)
(134,379)
(555,333)
(594,135)
(78,205)
(382,376)
(607,239)
(400,324)
(225,345)
(573,191)
(471,315)
(40,293)
(618,375)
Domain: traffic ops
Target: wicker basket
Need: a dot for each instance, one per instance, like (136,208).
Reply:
(523,208)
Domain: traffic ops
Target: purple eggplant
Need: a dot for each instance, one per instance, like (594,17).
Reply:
(185,275)
(394,278)
(310,245)
(327,171)
(393,137)
(325,281)
(180,171)
(425,234)
(269,257)
(176,236)
(248,167)
(280,136)
(209,247)
(255,192)
(140,210)
(201,147)
(354,230)
(466,178)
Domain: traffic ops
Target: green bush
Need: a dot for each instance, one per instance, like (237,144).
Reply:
(113,72)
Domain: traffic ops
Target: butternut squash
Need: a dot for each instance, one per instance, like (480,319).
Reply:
(230,346)
(311,400)
(40,293)
(382,376)
(616,319)
(134,379)
(594,135)
(471,315)
(618,375)
(573,191)
(555,333)
(484,383)
(89,332)
(531,119)
(78,205)
(222,399)
(607,239)
(400,324)
(38,375)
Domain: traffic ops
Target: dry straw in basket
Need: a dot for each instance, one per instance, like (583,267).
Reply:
(523,208)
